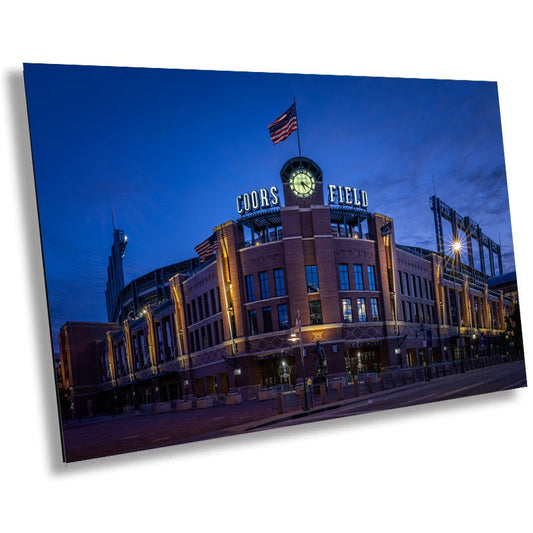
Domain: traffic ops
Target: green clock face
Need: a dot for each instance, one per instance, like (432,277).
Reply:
(302,183)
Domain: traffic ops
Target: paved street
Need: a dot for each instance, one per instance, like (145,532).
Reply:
(122,434)
(481,381)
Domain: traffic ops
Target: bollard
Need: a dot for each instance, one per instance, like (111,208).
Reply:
(338,384)
(382,381)
(279,402)
(355,387)
(300,393)
(369,385)
(322,394)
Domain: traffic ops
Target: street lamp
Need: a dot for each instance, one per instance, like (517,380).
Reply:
(457,250)
(294,338)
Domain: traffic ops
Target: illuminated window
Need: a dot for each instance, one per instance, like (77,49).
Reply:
(250,295)
(358,274)
(252,317)
(279,281)
(263,285)
(374,309)
(311,275)
(361,309)
(315,311)
(267,320)
(283,316)
(371,277)
(347,310)
(343,277)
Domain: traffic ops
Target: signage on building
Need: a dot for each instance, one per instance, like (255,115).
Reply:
(341,195)
(255,200)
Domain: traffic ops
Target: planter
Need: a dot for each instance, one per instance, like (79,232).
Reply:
(184,405)
(206,401)
(265,394)
(162,407)
(234,398)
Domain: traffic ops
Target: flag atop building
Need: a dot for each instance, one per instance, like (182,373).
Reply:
(206,248)
(284,125)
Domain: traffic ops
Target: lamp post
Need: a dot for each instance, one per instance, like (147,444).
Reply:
(294,338)
(456,251)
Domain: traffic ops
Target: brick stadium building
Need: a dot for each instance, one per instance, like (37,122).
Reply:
(364,303)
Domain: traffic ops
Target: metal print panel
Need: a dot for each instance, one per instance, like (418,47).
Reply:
(227,252)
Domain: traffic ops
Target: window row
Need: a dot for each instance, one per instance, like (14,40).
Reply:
(277,281)
(361,309)
(419,313)
(411,285)
(206,336)
(359,282)
(283,320)
(206,305)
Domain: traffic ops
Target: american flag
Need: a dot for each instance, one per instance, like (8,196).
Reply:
(206,248)
(283,126)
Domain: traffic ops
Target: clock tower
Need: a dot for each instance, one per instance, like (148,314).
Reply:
(302,182)
(308,243)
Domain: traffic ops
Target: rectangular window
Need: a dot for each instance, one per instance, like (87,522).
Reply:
(194,316)
(413,285)
(218,299)
(283,316)
(343,277)
(197,340)
(263,285)
(204,338)
(206,305)
(279,281)
(347,310)
(315,311)
(267,320)
(250,295)
(371,278)
(213,302)
(400,276)
(406,283)
(311,275)
(361,309)
(374,309)
(252,317)
(358,274)
(200,308)
(209,335)
(217,333)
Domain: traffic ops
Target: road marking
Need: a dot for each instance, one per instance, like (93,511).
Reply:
(130,437)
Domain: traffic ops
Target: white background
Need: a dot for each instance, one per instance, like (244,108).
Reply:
(458,466)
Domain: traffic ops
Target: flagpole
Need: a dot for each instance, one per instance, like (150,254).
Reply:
(298,130)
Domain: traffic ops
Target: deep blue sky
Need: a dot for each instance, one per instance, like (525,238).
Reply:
(169,150)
